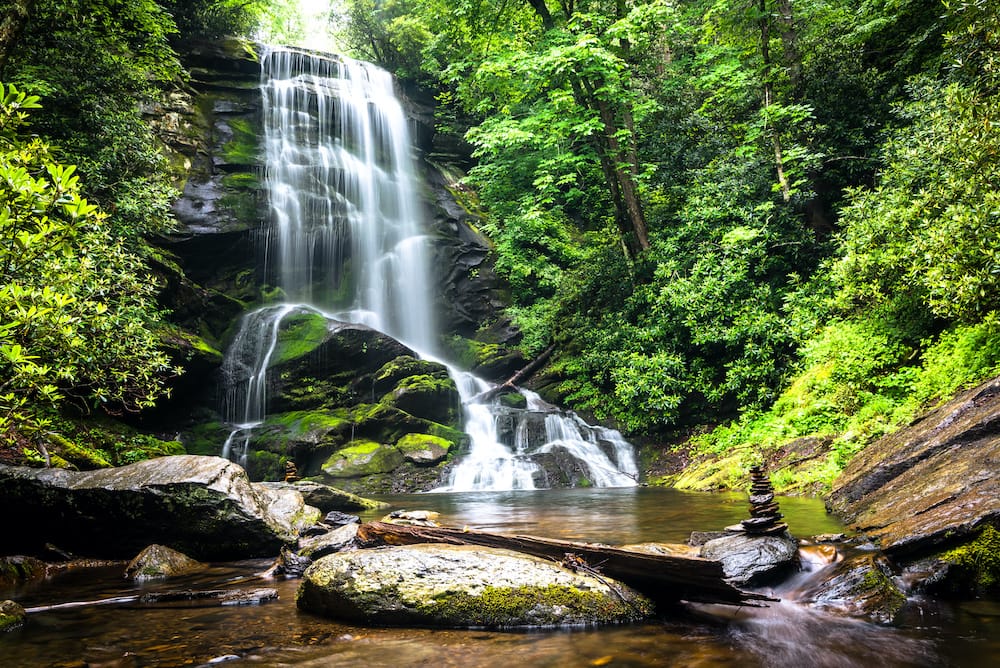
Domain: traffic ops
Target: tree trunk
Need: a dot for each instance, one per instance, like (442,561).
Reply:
(11,27)
(665,578)
(525,372)
(765,52)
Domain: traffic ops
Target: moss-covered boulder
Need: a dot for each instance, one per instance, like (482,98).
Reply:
(19,568)
(460,587)
(159,561)
(363,458)
(321,363)
(425,449)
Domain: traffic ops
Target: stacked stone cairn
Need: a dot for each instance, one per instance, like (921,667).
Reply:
(764,515)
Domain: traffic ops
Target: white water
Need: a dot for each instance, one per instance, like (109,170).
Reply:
(348,242)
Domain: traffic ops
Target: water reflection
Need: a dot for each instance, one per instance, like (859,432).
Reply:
(277,634)
(613,516)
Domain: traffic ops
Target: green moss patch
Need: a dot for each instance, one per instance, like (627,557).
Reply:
(363,458)
(424,449)
(979,560)
(553,605)
(300,334)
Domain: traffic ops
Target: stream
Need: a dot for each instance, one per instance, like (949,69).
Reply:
(277,634)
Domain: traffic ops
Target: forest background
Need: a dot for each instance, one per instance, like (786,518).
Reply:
(738,222)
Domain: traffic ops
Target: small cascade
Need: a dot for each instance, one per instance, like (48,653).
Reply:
(244,371)
(537,446)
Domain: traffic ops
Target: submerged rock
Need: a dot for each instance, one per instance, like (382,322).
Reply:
(204,506)
(159,561)
(462,586)
(861,585)
(753,560)
(12,616)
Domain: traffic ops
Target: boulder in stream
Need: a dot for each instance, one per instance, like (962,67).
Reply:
(861,585)
(159,561)
(753,560)
(203,506)
(12,616)
(461,586)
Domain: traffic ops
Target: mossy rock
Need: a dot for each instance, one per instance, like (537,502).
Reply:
(513,400)
(82,457)
(205,439)
(12,616)
(490,360)
(396,370)
(424,449)
(425,396)
(243,145)
(299,334)
(283,432)
(460,587)
(264,465)
(975,565)
(363,458)
(17,569)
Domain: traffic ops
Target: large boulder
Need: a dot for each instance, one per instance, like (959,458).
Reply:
(462,586)
(753,560)
(203,506)
(932,485)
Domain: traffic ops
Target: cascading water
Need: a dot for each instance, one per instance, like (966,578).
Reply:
(538,446)
(347,241)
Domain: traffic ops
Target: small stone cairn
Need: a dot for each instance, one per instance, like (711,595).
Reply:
(764,516)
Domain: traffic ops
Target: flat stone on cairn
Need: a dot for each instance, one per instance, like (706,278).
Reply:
(764,513)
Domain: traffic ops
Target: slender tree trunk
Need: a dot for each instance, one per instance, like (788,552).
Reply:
(765,52)
(790,44)
(619,164)
(11,25)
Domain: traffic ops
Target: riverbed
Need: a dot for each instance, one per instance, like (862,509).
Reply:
(277,634)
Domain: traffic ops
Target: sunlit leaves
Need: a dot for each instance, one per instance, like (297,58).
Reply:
(78,308)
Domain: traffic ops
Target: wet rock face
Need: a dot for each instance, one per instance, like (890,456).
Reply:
(861,585)
(204,506)
(931,485)
(461,586)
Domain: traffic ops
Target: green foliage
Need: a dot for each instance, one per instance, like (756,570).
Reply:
(212,19)
(97,63)
(79,311)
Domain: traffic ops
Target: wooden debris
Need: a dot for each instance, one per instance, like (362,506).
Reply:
(661,577)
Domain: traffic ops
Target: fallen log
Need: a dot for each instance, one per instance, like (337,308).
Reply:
(510,385)
(189,597)
(665,578)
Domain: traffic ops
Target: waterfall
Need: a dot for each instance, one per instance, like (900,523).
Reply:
(348,241)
